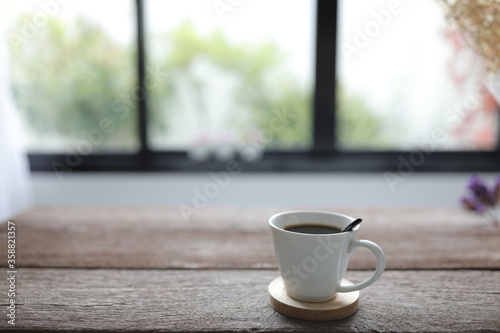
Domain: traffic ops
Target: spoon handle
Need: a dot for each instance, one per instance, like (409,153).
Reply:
(352,224)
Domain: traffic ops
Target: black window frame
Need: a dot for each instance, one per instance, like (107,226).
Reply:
(323,156)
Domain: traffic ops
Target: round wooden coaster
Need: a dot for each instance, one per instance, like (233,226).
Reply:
(342,306)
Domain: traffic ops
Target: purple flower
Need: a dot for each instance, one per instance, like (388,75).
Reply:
(480,191)
(483,200)
(473,204)
(496,191)
(477,186)
(467,203)
(479,207)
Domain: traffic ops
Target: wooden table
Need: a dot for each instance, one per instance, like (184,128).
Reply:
(95,269)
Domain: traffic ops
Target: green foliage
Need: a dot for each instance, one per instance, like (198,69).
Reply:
(66,81)
(261,85)
(358,126)
(291,108)
(68,78)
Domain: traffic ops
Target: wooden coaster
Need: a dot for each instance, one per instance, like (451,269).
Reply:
(342,306)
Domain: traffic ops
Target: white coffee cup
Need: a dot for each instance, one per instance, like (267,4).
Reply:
(312,266)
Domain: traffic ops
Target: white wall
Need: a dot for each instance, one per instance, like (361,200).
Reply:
(247,189)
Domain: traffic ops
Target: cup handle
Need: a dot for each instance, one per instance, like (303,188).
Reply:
(379,254)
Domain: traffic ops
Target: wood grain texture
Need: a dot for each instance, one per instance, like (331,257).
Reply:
(342,306)
(238,238)
(53,300)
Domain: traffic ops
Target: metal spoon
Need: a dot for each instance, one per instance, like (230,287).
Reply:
(352,225)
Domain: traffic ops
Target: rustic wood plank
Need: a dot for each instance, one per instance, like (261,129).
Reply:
(239,238)
(226,300)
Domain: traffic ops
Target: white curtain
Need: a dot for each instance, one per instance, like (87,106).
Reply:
(14,172)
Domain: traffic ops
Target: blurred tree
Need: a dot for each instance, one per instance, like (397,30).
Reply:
(358,126)
(67,79)
(260,86)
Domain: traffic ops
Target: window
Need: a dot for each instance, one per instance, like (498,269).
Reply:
(402,82)
(272,85)
(227,71)
(71,71)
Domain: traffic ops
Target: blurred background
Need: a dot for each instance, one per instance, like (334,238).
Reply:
(147,103)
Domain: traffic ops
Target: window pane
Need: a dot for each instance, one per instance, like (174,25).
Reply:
(406,79)
(73,72)
(230,73)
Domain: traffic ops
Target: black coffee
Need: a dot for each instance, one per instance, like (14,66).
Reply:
(313,229)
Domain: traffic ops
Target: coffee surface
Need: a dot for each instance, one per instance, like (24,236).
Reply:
(310,228)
